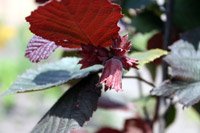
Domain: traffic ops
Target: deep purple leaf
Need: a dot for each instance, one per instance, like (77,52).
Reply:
(39,49)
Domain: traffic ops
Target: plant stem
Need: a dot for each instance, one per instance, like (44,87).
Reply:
(167,33)
(166,43)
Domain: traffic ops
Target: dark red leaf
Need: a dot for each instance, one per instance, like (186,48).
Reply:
(108,130)
(156,41)
(92,55)
(39,49)
(71,23)
(137,125)
(41,1)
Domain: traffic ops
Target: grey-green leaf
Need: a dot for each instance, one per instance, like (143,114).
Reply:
(49,75)
(184,86)
(72,110)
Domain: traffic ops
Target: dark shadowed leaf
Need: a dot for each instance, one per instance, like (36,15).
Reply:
(184,86)
(196,107)
(192,36)
(147,21)
(49,75)
(119,2)
(170,115)
(72,110)
(136,3)
(185,14)
(39,49)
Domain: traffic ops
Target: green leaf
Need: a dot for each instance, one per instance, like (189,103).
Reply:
(49,75)
(196,107)
(184,86)
(140,41)
(148,56)
(72,110)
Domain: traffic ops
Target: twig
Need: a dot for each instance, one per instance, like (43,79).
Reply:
(157,108)
(140,85)
(141,79)
(142,96)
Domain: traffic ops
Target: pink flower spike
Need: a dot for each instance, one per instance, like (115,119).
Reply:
(112,74)
(121,46)
(129,62)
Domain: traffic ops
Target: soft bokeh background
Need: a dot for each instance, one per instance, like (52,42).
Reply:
(19,113)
